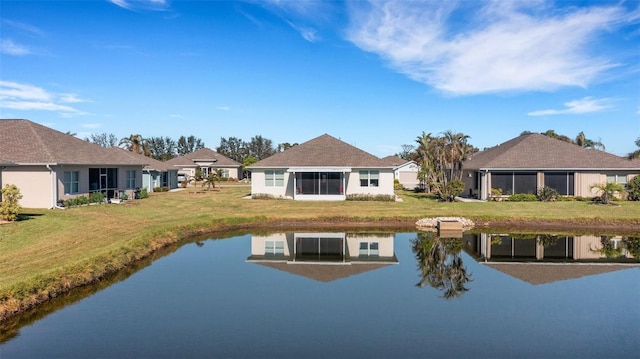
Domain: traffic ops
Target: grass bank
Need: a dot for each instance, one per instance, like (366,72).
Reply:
(53,251)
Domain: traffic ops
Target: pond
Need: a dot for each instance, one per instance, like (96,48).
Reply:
(358,294)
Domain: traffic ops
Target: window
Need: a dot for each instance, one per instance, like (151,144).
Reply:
(274,248)
(562,182)
(274,178)
(621,179)
(131,179)
(369,249)
(71,182)
(514,182)
(319,183)
(369,178)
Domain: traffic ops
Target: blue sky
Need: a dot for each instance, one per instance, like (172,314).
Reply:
(375,74)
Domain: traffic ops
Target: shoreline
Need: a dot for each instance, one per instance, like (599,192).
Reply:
(61,284)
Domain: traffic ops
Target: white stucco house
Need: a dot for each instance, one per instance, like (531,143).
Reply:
(206,160)
(324,168)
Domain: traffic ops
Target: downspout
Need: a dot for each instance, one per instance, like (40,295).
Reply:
(54,192)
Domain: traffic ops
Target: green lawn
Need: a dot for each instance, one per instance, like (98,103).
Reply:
(53,250)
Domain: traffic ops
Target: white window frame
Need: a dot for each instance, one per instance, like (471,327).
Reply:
(274,248)
(273,178)
(369,249)
(372,178)
(616,178)
(71,185)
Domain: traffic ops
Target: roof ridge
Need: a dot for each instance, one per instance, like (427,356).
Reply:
(41,142)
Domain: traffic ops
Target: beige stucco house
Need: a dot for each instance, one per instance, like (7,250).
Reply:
(206,160)
(406,172)
(324,168)
(49,166)
(532,161)
(156,173)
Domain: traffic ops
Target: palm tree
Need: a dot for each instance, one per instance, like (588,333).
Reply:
(582,141)
(136,144)
(608,190)
(636,153)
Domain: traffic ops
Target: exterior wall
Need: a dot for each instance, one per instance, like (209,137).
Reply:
(408,176)
(385,182)
(258,185)
(584,181)
(36,185)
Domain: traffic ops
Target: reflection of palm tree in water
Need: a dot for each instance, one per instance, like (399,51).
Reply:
(440,264)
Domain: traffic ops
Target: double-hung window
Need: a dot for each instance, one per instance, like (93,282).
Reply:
(274,248)
(369,249)
(71,182)
(131,179)
(274,178)
(616,178)
(369,178)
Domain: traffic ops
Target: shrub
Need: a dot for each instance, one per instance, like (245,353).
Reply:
(262,196)
(10,206)
(76,201)
(371,197)
(144,193)
(547,194)
(633,189)
(523,197)
(397,185)
(96,197)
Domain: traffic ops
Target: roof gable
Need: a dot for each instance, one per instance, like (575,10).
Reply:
(322,151)
(26,142)
(537,151)
(203,155)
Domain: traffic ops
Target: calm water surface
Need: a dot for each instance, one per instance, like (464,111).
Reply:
(358,296)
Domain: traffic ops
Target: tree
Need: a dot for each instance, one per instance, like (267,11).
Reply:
(636,153)
(103,139)
(260,147)
(633,189)
(608,190)
(246,163)
(285,146)
(440,160)
(233,147)
(407,153)
(582,141)
(135,144)
(210,181)
(440,264)
(162,148)
(188,145)
(10,206)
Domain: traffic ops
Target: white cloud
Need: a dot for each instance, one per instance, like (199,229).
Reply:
(91,125)
(176,116)
(141,4)
(307,33)
(23,27)
(8,47)
(577,107)
(503,46)
(223,108)
(26,97)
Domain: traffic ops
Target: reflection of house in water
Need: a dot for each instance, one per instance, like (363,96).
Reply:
(323,256)
(543,258)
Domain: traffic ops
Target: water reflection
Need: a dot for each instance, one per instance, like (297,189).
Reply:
(323,257)
(546,258)
(440,263)
(551,247)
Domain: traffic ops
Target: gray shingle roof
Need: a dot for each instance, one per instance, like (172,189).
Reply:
(152,163)
(26,142)
(203,155)
(322,151)
(536,151)
(394,160)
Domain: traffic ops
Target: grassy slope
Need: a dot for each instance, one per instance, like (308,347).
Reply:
(55,250)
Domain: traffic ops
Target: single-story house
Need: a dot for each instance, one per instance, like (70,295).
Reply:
(406,172)
(532,161)
(324,168)
(206,160)
(156,173)
(49,166)
(325,256)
